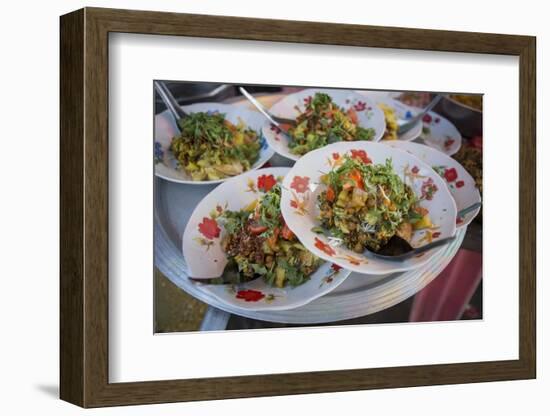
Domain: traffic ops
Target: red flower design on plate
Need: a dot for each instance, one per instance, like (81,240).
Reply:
(209,228)
(307,100)
(250,295)
(360,106)
(324,247)
(459,220)
(429,188)
(450,174)
(448,143)
(427,118)
(336,268)
(294,203)
(274,128)
(415,170)
(300,184)
(336,155)
(266,182)
(361,155)
(459,184)
(436,234)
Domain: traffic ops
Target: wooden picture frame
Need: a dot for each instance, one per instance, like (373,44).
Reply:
(84,207)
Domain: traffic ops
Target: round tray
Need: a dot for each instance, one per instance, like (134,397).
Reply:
(359,295)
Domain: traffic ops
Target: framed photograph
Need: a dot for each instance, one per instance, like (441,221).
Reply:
(257,207)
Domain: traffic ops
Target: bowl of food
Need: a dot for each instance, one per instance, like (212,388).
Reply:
(464,111)
(238,244)
(347,200)
(214,143)
(322,117)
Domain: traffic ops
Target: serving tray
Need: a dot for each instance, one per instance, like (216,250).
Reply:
(359,295)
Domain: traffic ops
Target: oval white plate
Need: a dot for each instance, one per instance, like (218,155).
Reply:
(165,130)
(302,185)
(369,115)
(441,134)
(461,185)
(205,257)
(437,131)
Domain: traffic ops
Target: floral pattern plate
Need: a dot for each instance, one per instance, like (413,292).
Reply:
(441,134)
(166,165)
(303,184)
(369,115)
(205,258)
(437,131)
(461,185)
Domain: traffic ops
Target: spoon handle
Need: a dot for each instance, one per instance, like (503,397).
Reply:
(169,100)
(277,121)
(429,246)
(410,123)
(258,106)
(471,208)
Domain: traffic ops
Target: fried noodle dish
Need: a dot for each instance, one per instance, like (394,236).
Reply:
(259,243)
(210,147)
(366,204)
(322,123)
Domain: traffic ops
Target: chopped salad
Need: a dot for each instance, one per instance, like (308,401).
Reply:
(210,147)
(366,204)
(322,123)
(259,243)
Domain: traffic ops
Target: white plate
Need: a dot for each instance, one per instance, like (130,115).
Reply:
(302,186)
(165,130)
(437,131)
(205,257)
(369,115)
(441,134)
(461,185)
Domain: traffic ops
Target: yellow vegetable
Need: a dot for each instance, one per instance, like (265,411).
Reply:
(251,206)
(425,222)
(279,277)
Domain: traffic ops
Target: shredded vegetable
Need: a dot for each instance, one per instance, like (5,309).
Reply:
(365,204)
(210,147)
(322,123)
(259,242)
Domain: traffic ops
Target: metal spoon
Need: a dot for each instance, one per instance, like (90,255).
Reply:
(170,102)
(396,244)
(277,121)
(229,275)
(409,124)
(403,250)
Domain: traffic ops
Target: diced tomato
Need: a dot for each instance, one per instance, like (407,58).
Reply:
(230,126)
(257,229)
(356,177)
(272,240)
(421,210)
(286,233)
(353,115)
(330,194)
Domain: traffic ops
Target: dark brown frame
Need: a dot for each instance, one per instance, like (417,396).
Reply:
(84,208)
